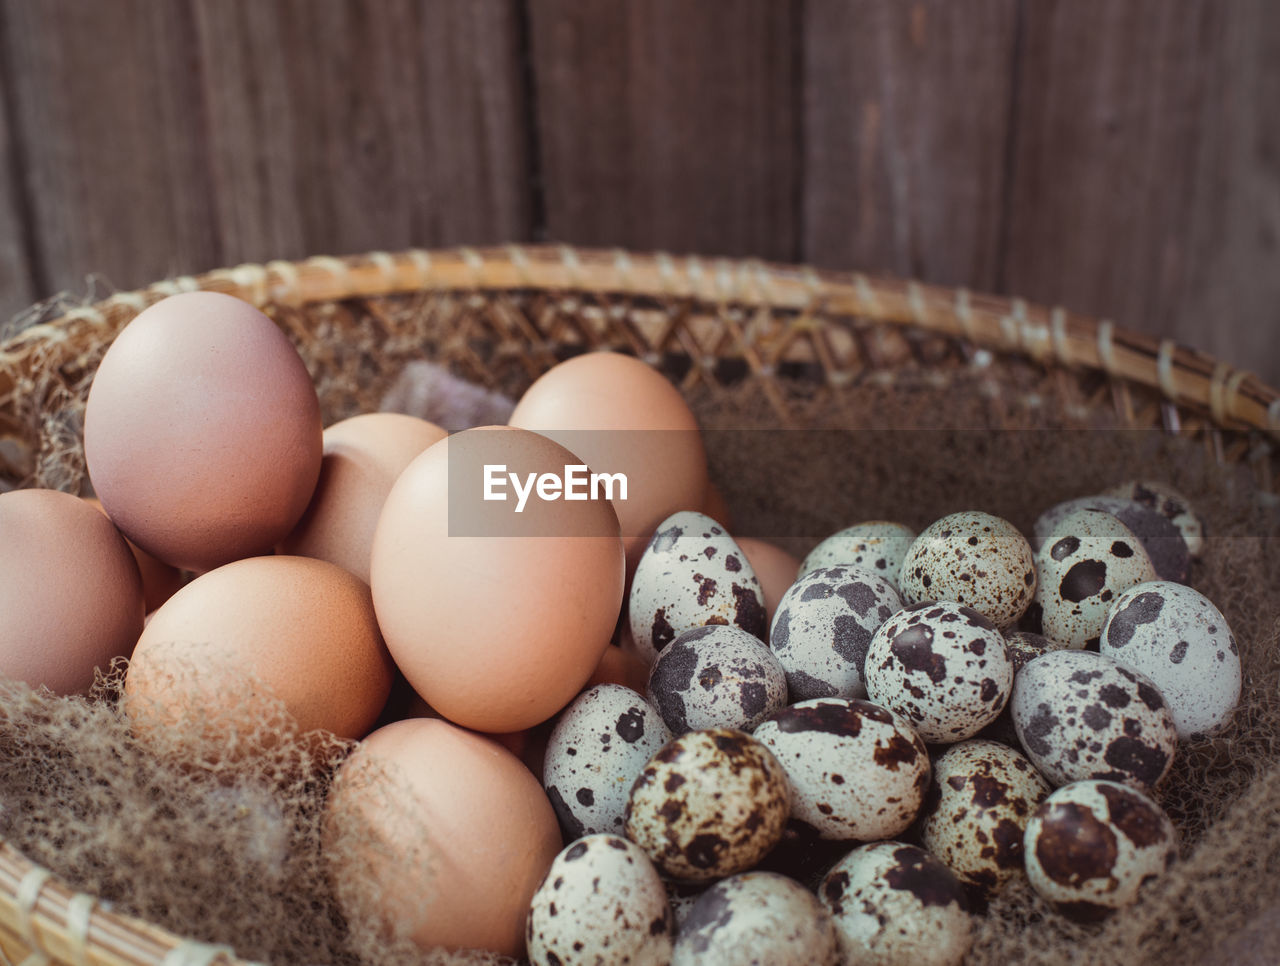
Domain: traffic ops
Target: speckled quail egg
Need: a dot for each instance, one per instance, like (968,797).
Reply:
(716,676)
(692,573)
(1081,715)
(1162,541)
(709,804)
(823,627)
(857,771)
(875,545)
(971,558)
(594,754)
(1091,846)
(894,903)
(1170,504)
(979,800)
(942,666)
(756,917)
(1024,647)
(1087,560)
(601,902)
(1176,637)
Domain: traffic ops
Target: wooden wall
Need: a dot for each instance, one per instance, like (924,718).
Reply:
(1121,157)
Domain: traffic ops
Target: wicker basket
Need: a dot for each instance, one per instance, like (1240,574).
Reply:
(502,316)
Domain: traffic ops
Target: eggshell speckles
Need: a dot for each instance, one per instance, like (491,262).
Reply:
(894,903)
(856,770)
(972,558)
(942,666)
(1092,845)
(980,798)
(756,917)
(1162,541)
(1176,637)
(1081,715)
(595,752)
(601,902)
(1086,561)
(824,626)
(692,573)
(1170,504)
(709,804)
(716,676)
(876,545)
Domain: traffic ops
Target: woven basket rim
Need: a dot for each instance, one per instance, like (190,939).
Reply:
(43,914)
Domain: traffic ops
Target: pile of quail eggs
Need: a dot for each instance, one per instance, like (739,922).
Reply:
(921,719)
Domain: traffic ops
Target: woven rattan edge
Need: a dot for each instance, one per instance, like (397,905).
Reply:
(1234,399)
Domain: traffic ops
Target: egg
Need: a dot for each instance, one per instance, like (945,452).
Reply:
(716,676)
(363,456)
(601,902)
(596,749)
(715,506)
(441,834)
(202,432)
(708,804)
(1092,845)
(1081,715)
(942,666)
(692,573)
(70,591)
(1177,638)
(823,627)
(774,567)
(1169,503)
(1086,560)
(759,917)
(875,545)
(856,770)
(895,903)
(1162,541)
(496,617)
(159,580)
(619,415)
(292,629)
(980,798)
(971,558)
(619,665)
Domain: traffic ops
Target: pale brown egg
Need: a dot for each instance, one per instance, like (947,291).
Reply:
(202,431)
(159,580)
(70,591)
(363,456)
(463,836)
(496,616)
(774,567)
(298,630)
(715,506)
(620,415)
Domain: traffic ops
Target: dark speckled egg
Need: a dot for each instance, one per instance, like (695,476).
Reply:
(896,903)
(1170,504)
(709,804)
(823,627)
(1163,542)
(1081,715)
(979,801)
(1091,846)
(716,677)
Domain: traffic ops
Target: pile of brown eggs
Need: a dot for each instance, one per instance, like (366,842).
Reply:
(628,736)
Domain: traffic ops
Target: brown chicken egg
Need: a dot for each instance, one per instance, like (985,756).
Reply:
(202,431)
(363,456)
(159,580)
(462,836)
(496,611)
(299,630)
(70,591)
(620,415)
(774,567)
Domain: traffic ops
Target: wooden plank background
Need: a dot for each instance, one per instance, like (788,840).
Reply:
(1120,157)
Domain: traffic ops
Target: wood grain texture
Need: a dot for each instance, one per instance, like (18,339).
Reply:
(906,120)
(106,107)
(339,126)
(1146,176)
(17,288)
(669,124)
